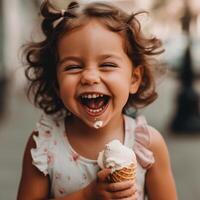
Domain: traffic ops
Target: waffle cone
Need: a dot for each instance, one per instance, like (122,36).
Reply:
(124,174)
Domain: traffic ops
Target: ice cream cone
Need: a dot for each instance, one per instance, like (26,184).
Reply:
(120,159)
(126,173)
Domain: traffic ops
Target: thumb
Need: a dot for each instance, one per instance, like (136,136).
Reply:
(103,174)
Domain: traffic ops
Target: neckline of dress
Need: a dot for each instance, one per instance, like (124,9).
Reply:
(88,160)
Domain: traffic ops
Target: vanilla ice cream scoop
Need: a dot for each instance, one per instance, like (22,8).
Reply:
(116,156)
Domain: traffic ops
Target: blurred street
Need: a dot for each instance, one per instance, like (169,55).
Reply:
(175,22)
(20,118)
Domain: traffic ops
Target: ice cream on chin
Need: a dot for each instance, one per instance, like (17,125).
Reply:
(98,124)
(120,159)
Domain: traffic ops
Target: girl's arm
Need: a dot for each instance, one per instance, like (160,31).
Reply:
(34,185)
(159,179)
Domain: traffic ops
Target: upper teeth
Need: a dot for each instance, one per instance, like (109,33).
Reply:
(90,96)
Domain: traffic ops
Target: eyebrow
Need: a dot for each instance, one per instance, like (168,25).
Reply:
(74,58)
(105,56)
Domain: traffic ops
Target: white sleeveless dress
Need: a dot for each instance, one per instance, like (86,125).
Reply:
(69,171)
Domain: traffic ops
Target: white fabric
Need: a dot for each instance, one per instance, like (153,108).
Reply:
(68,171)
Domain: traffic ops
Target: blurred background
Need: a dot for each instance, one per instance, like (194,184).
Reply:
(176,113)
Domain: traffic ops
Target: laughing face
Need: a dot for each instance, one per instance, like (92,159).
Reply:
(95,75)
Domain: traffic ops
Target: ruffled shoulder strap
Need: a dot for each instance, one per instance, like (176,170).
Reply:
(142,143)
(43,154)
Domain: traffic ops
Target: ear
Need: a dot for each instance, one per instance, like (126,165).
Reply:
(136,79)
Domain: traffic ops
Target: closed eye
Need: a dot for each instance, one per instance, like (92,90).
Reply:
(72,68)
(109,65)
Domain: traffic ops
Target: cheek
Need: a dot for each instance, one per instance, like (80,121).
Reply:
(119,86)
(66,88)
(122,79)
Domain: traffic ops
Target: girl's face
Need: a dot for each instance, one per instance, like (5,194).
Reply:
(94,73)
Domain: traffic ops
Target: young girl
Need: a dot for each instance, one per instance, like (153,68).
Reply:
(93,64)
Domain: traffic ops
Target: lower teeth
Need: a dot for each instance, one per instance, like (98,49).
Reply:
(97,110)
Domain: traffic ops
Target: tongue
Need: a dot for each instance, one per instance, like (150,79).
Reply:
(95,103)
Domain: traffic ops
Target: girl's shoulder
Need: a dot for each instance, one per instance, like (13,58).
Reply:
(159,181)
(46,137)
(147,141)
(147,133)
(150,139)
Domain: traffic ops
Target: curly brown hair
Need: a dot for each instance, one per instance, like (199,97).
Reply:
(42,57)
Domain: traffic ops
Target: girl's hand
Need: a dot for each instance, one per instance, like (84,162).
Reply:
(100,189)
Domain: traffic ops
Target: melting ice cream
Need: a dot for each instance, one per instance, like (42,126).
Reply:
(116,156)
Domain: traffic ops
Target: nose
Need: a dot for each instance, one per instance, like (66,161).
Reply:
(90,77)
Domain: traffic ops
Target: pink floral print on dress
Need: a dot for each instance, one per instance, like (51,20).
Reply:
(50,158)
(74,157)
(47,134)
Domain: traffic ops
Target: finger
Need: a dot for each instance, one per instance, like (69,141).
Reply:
(124,193)
(103,174)
(113,187)
(132,197)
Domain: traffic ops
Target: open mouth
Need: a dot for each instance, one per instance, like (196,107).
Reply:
(94,103)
